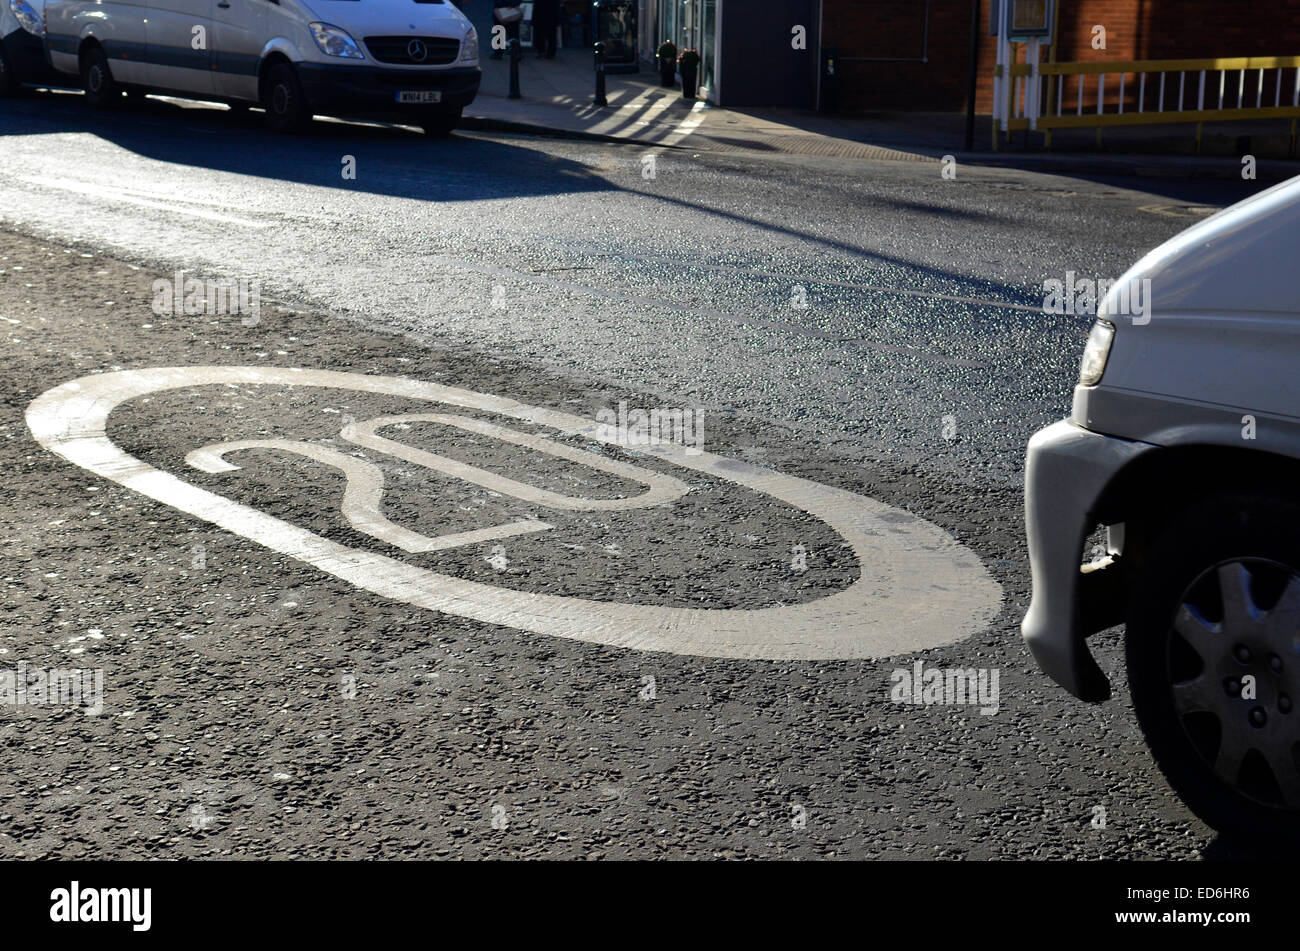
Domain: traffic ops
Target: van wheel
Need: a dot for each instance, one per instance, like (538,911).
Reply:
(102,91)
(283,99)
(1213,651)
(441,126)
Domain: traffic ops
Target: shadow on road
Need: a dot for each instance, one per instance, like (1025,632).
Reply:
(391,160)
(400,162)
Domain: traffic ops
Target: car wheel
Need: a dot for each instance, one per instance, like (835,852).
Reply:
(1213,651)
(102,91)
(442,125)
(284,101)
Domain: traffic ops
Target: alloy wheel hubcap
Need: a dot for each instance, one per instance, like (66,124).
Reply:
(1234,673)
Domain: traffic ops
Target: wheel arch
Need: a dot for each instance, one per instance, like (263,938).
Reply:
(88,41)
(1154,486)
(276,51)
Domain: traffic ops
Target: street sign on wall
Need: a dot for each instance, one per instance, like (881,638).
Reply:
(1025,18)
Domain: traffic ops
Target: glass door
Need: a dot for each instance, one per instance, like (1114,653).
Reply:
(708,32)
(670,28)
(689,23)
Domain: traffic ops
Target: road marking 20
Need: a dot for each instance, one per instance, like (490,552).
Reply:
(918,588)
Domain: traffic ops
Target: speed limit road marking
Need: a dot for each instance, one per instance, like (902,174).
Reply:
(918,588)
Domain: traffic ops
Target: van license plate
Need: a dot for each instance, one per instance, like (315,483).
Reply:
(420,95)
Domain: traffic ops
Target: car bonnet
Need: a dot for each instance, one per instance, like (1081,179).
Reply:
(1241,259)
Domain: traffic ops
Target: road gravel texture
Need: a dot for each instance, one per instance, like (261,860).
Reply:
(865,325)
(255,707)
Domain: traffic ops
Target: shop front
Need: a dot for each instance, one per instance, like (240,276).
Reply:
(688,24)
(750,54)
(574,25)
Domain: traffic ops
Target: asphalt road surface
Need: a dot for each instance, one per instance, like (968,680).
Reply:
(327,628)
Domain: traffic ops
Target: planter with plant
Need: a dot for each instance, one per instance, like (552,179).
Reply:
(689,63)
(667,63)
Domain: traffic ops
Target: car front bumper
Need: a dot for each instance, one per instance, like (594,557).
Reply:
(348,90)
(1066,474)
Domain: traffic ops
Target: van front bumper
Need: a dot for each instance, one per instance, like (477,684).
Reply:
(1066,475)
(372,91)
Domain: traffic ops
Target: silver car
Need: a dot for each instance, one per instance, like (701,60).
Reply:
(1184,447)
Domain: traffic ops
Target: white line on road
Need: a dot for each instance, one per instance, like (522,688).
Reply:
(917,588)
(362,495)
(114,194)
(662,488)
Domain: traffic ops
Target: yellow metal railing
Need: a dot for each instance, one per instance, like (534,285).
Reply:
(1160,91)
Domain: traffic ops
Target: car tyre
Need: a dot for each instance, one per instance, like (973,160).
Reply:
(102,90)
(284,101)
(1217,601)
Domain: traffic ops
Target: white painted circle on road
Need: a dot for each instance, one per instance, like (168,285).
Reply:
(918,587)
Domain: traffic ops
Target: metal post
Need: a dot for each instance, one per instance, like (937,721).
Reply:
(972,75)
(516,54)
(600,99)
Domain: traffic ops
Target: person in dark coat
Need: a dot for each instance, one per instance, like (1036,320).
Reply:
(546,19)
(512,29)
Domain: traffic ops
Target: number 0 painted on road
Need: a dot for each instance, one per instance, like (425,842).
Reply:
(918,587)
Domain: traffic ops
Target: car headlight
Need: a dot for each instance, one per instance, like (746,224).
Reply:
(1095,353)
(334,41)
(469,46)
(27,17)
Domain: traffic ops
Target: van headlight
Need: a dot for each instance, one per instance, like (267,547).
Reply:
(1095,353)
(334,41)
(27,17)
(469,46)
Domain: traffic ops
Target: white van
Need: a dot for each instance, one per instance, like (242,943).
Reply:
(414,61)
(1184,443)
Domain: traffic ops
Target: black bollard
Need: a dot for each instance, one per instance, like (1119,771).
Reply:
(516,54)
(600,99)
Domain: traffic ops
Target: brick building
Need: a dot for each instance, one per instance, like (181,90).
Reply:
(915,54)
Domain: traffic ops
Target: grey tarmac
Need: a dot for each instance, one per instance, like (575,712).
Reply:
(257,706)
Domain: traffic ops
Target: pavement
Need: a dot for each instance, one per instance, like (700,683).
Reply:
(557,99)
